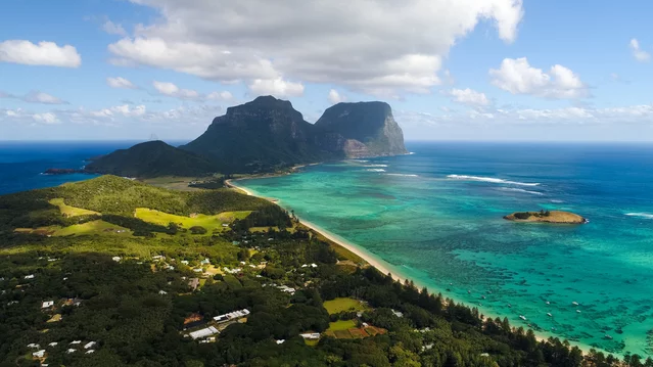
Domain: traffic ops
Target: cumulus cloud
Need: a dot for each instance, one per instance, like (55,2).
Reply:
(47,118)
(43,53)
(373,52)
(517,76)
(35,97)
(276,87)
(172,90)
(335,97)
(114,28)
(638,53)
(223,96)
(469,97)
(119,82)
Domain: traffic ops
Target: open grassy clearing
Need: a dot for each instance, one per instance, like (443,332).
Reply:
(97,227)
(209,222)
(70,211)
(343,304)
(342,325)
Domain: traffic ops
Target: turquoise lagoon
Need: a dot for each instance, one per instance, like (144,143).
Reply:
(436,217)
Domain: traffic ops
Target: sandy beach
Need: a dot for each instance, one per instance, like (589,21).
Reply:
(377,263)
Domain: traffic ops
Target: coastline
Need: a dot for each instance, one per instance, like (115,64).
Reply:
(385,268)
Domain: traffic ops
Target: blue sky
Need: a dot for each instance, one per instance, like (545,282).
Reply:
(461,70)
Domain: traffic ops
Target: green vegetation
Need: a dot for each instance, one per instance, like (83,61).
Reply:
(210,223)
(132,295)
(343,304)
(546,216)
(70,211)
(152,159)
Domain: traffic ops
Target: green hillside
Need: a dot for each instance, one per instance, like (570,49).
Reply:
(152,159)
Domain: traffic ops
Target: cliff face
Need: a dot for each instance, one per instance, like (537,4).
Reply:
(152,159)
(368,128)
(262,135)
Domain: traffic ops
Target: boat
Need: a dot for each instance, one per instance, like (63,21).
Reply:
(575,303)
(577,311)
(607,336)
(548,303)
(522,317)
(549,314)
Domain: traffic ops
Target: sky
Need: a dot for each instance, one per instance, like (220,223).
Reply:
(500,70)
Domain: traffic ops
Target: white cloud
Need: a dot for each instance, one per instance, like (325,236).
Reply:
(171,90)
(335,97)
(119,82)
(469,97)
(224,96)
(388,48)
(35,97)
(517,76)
(276,87)
(48,118)
(114,28)
(43,53)
(638,54)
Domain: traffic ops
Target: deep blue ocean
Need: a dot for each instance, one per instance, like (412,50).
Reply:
(436,216)
(21,163)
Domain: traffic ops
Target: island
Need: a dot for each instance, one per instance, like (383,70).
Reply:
(546,216)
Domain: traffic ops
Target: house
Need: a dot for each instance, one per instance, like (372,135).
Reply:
(47,304)
(280,341)
(194,283)
(33,345)
(158,257)
(203,333)
(162,292)
(310,336)
(89,345)
(185,262)
(286,289)
(90,351)
(76,342)
(31,276)
(225,225)
(397,313)
(53,344)
(205,262)
(39,354)
(314,265)
(116,259)
(71,350)
(231,315)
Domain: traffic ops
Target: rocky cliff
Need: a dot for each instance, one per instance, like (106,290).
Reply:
(368,128)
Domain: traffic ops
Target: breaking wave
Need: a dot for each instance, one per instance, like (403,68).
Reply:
(641,215)
(375,170)
(377,165)
(492,180)
(401,175)
(521,190)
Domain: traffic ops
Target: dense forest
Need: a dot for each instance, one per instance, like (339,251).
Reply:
(109,298)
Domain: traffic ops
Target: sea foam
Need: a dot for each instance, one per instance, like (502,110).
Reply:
(492,180)
(641,215)
(375,170)
(376,165)
(401,175)
(521,190)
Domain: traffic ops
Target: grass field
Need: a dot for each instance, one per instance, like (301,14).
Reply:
(97,227)
(342,325)
(70,211)
(343,304)
(209,222)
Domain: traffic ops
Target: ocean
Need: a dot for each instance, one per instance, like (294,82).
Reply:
(22,163)
(436,217)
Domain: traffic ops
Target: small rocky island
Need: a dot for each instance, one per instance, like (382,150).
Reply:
(545,216)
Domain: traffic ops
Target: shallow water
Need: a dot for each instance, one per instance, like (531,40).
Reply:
(436,216)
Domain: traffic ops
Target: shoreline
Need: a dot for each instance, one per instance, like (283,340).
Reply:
(384,268)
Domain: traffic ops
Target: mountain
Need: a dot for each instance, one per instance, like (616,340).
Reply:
(268,133)
(152,159)
(263,135)
(369,123)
